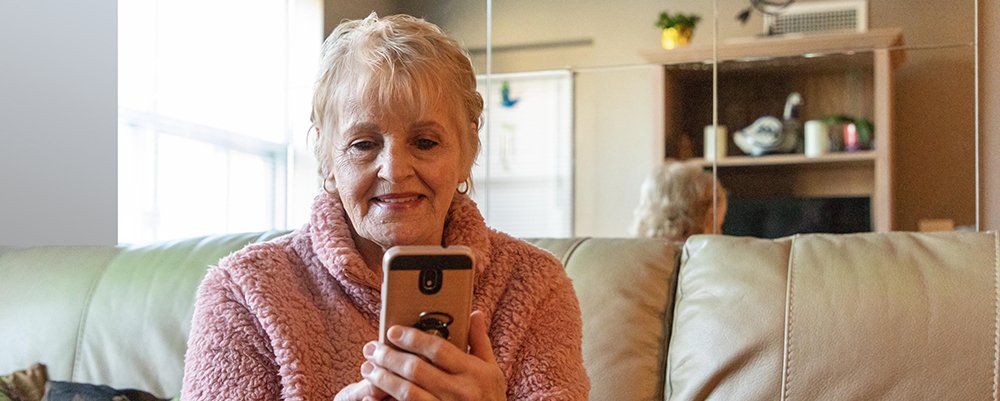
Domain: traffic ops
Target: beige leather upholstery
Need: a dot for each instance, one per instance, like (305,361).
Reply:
(625,287)
(120,315)
(44,295)
(896,316)
(109,315)
(899,316)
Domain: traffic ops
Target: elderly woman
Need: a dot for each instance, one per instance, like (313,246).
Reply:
(396,114)
(676,201)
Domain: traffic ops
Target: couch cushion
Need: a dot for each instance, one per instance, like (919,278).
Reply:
(895,316)
(117,316)
(44,292)
(625,288)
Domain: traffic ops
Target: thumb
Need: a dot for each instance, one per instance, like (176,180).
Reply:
(479,339)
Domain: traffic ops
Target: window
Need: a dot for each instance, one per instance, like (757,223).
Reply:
(524,174)
(211,96)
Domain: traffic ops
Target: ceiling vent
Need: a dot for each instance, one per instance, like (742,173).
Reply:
(818,16)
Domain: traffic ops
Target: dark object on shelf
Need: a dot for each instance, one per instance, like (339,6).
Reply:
(775,217)
(772,7)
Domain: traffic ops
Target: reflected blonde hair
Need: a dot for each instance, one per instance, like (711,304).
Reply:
(674,201)
(392,61)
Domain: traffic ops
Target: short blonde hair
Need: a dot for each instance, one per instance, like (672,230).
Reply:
(389,61)
(674,201)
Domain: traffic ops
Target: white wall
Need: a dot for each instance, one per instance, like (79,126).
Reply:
(619,138)
(58,112)
(335,11)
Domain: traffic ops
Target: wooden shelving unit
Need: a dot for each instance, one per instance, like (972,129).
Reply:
(838,73)
(838,158)
(792,45)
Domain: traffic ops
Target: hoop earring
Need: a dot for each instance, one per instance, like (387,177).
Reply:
(327,190)
(464,190)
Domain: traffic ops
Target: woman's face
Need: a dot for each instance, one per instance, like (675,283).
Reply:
(396,171)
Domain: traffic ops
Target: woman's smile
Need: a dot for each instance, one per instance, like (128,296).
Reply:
(399,201)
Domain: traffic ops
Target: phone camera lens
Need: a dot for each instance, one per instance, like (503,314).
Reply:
(430,281)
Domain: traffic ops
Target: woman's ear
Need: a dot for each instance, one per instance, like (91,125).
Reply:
(329,184)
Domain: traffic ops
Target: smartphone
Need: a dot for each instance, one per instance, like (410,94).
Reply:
(430,288)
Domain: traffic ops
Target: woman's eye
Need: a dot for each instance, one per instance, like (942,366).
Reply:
(425,144)
(363,145)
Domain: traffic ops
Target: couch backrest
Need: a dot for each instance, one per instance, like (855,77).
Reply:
(626,289)
(897,316)
(120,316)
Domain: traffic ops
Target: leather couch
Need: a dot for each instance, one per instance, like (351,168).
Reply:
(896,316)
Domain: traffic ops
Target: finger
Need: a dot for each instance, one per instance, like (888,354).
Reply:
(404,364)
(437,350)
(479,338)
(361,390)
(393,385)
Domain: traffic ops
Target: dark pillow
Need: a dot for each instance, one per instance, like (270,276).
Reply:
(68,391)
(24,385)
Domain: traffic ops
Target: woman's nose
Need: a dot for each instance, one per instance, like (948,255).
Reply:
(395,163)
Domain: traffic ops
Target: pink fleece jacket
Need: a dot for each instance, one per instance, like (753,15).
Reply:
(287,319)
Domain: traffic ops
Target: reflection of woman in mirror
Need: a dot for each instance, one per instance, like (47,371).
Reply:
(396,114)
(675,202)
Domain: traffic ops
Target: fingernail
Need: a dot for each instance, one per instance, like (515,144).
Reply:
(395,333)
(369,349)
(366,368)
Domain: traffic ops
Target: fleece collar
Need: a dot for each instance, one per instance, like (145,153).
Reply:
(335,248)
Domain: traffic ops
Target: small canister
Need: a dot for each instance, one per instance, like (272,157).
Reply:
(716,140)
(851,140)
(817,138)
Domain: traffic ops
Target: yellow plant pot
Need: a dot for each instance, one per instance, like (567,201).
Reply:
(673,37)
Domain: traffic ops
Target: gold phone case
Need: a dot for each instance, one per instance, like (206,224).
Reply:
(428,287)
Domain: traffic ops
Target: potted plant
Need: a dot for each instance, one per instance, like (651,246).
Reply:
(676,29)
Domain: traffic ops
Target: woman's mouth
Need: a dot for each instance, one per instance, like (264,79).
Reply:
(398,200)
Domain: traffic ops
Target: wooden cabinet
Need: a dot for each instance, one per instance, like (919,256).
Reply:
(842,73)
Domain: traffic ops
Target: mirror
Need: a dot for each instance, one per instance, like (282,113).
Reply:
(910,74)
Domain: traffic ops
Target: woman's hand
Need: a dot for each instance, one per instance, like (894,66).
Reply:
(434,369)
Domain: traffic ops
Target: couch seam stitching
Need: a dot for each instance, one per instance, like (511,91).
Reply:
(996,314)
(668,310)
(789,298)
(572,249)
(86,314)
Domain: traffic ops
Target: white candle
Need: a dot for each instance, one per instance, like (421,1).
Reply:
(716,141)
(817,138)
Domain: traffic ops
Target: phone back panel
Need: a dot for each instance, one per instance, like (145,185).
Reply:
(405,295)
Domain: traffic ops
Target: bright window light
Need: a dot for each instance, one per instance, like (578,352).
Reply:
(211,98)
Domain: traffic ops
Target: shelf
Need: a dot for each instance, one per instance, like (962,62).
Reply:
(867,156)
(836,73)
(797,45)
